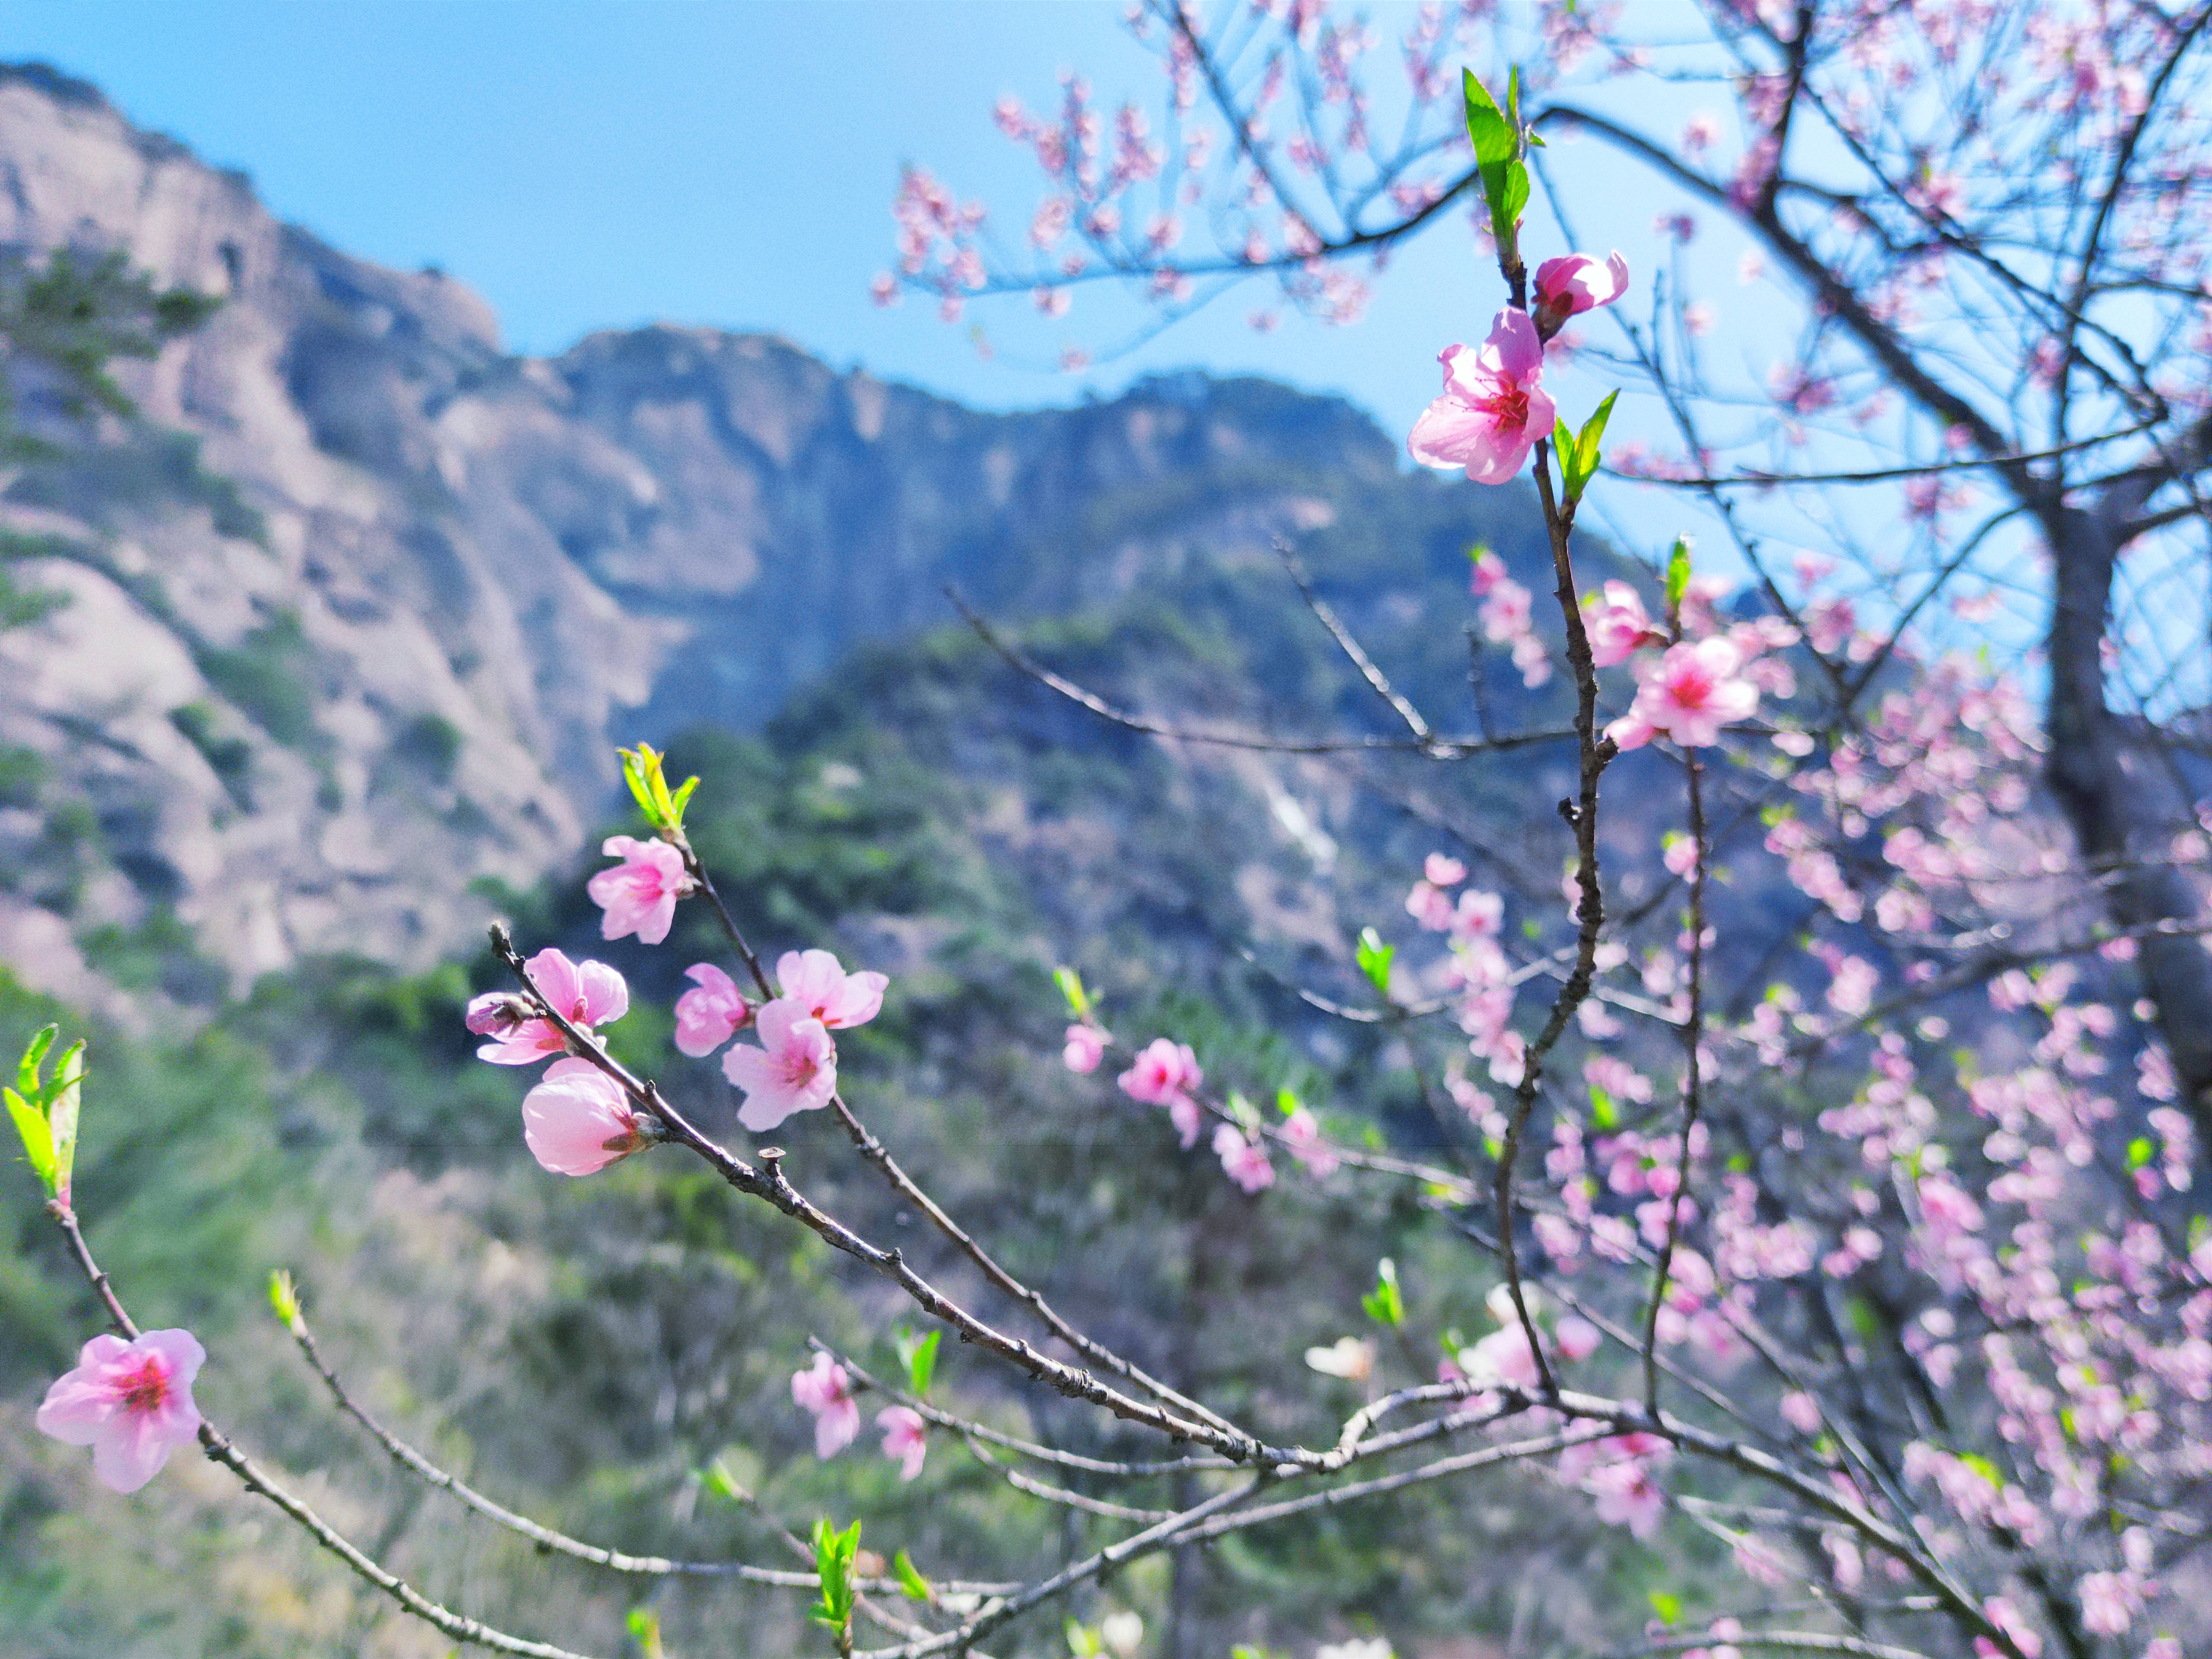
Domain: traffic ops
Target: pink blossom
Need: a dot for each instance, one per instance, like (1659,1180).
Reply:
(132,1402)
(587,995)
(1626,1497)
(1577,1338)
(711,1013)
(1502,1358)
(1164,1070)
(1442,872)
(2009,1620)
(1244,1161)
(794,1069)
(906,1438)
(1188,1117)
(1692,692)
(1479,915)
(1086,1047)
(1303,1135)
(1493,408)
(1618,625)
(639,895)
(495,1012)
(1829,623)
(1846,1566)
(813,980)
(1756,1559)
(1800,1413)
(827,1392)
(1679,855)
(578,1120)
(1430,906)
(1576,282)
(2107,1603)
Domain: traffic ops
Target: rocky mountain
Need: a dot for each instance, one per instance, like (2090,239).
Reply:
(344,621)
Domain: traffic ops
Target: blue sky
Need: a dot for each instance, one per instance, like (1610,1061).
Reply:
(594,165)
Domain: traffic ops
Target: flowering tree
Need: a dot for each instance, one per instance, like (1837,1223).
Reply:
(1983,221)
(1874,1253)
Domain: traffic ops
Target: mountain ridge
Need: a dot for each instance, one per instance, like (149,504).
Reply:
(343,625)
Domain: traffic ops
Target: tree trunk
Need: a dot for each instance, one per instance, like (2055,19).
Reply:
(2110,809)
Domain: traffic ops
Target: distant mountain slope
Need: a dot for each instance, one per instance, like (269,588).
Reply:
(347,621)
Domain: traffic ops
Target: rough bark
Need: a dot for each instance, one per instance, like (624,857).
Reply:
(2111,807)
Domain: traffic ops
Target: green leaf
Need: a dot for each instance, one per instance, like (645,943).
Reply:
(634,775)
(910,1581)
(38,1142)
(723,1483)
(833,1570)
(33,1062)
(642,771)
(1603,1113)
(645,1629)
(1386,1303)
(680,799)
(1496,140)
(1563,445)
(1586,451)
(1375,959)
(1516,193)
(62,1101)
(1668,1607)
(920,1359)
(1083,1642)
(1678,573)
(2140,1151)
(1487,128)
(284,1298)
(1071,986)
(1981,1466)
(1285,1101)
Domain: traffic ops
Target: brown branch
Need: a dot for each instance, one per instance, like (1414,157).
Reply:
(876,1153)
(1595,754)
(768,1182)
(1435,748)
(651,1566)
(1754,480)
(1350,647)
(222,1450)
(1693,1037)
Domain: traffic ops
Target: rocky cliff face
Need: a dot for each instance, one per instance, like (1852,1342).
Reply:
(347,620)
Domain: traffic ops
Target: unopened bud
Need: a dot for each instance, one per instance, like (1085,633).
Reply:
(496,1012)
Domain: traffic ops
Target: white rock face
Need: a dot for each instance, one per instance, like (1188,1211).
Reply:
(378,642)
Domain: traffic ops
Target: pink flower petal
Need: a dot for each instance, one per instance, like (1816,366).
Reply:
(708,1015)
(555,976)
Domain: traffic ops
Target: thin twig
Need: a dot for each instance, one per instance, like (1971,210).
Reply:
(1435,747)
(222,1450)
(1350,647)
